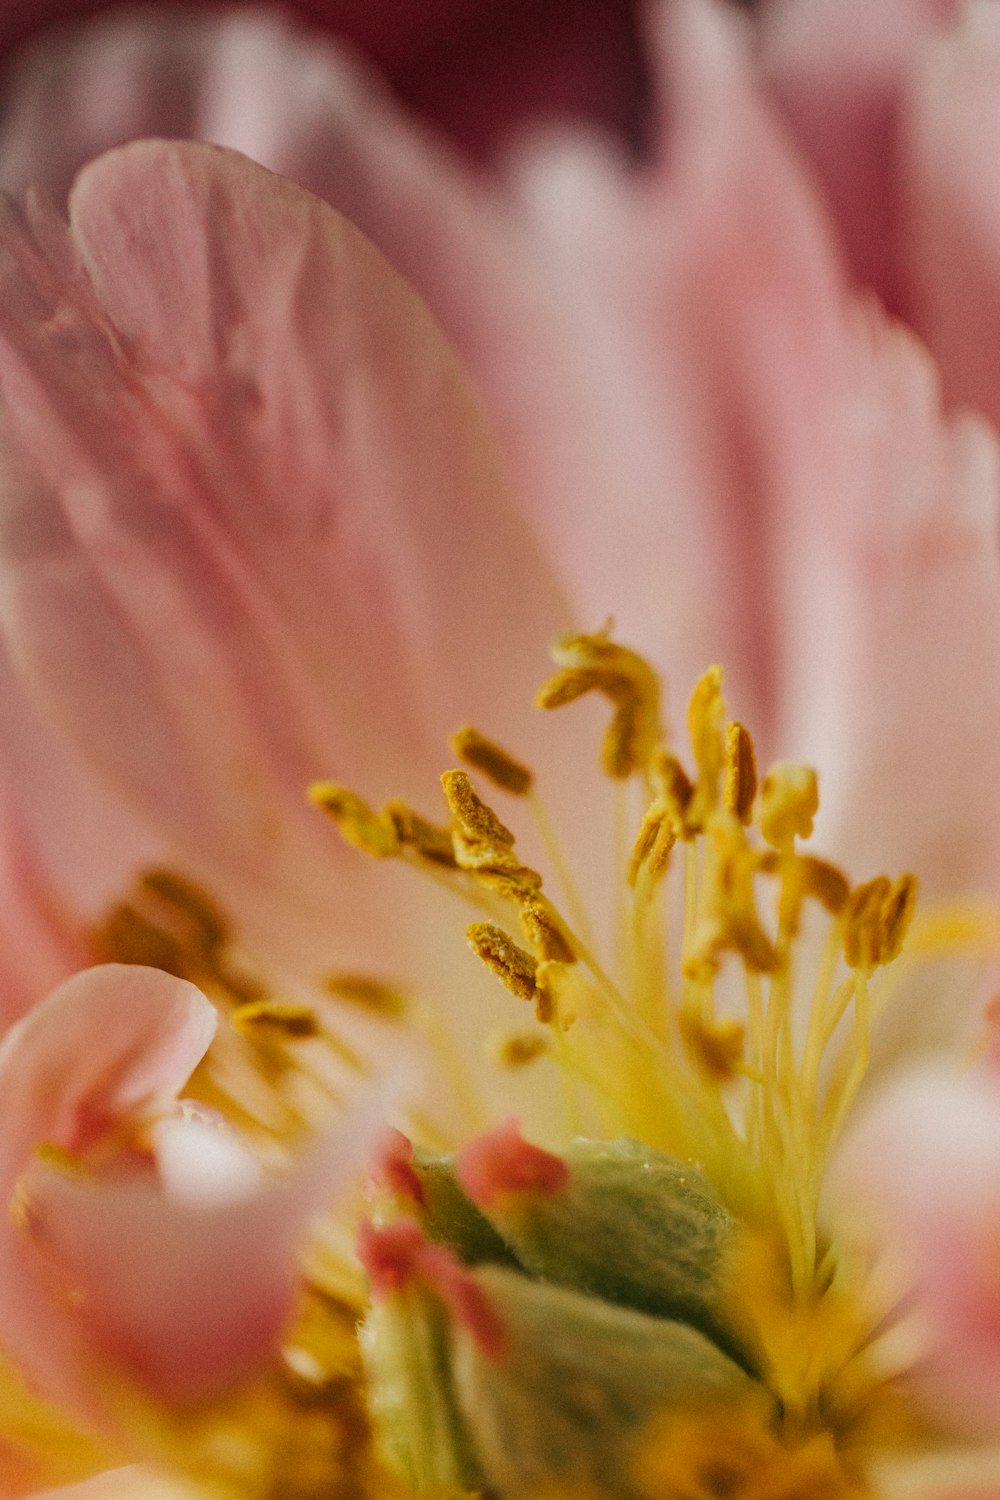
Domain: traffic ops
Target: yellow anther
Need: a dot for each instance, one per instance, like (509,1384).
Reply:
(126,936)
(190,901)
(369,994)
(706,714)
(657,836)
(430,840)
(594,663)
(676,788)
(897,914)
(863,930)
(543,930)
(521,1049)
(273,1018)
(817,877)
(550,978)
(512,965)
(493,760)
(739,786)
(877,917)
(824,881)
(369,831)
(717,1046)
(729,920)
(789,801)
(515,883)
(475,819)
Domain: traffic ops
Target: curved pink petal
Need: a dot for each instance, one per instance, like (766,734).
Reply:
(839,69)
(223,1268)
(893,610)
(252,489)
(952,201)
(108,1044)
(920,1173)
(182,1280)
(710,291)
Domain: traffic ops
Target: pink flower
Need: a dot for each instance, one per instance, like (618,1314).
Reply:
(260,525)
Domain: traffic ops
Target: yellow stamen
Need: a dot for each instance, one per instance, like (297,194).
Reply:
(428,840)
(371,832)
(263,1016)
(739,786)
(370,994)
(789,802)
(493,760)
(543,930)
(512,965)
(594,663)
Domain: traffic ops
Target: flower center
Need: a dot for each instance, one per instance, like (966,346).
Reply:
(729,1036)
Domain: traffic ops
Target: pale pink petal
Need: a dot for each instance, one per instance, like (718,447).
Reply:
(952,202)
(183,1283)
(708,295)
(255,496)
(839,68)
(893,623)
(41,943)
(110,1043)
(188,1293)
(919,1176)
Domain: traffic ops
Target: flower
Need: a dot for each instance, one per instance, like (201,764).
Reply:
(257,532)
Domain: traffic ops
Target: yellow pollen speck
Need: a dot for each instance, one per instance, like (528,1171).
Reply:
(740,776)
(367,830)
(490,758)
(512,965)
(789,803)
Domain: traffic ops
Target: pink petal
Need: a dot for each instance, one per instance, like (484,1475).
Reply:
(839,68)
(920,1173)
(244,486)
(40,943)
(893,586)
(952,190)
(224,1272)
(708,295)
(184,1283)
(110,1043)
